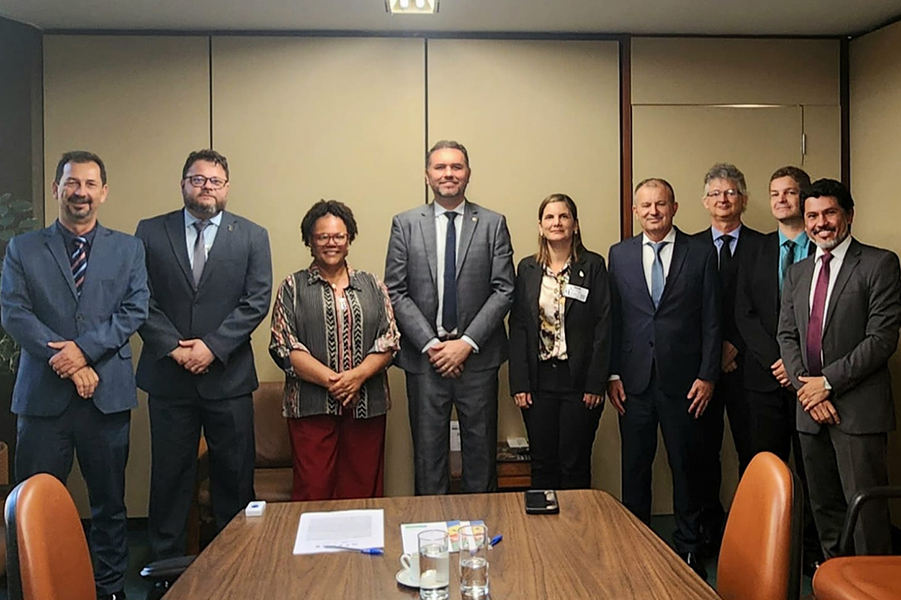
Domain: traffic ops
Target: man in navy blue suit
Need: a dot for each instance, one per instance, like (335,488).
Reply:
(72,295)
(665,356)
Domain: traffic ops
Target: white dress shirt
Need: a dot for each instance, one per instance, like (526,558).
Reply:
(209,234)
(648,255)
(835,265)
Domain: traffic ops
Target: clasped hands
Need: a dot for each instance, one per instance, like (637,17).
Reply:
(345,386)
(193,355)
(814,398)
(70,363)
(448,357)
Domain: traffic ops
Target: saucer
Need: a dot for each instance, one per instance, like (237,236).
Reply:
(403,578)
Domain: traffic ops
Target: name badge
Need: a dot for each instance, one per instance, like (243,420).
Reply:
(575,292)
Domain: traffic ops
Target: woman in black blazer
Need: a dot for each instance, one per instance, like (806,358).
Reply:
(560,347)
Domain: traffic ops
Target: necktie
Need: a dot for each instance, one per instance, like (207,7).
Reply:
(79,262)
(449,306)
(199,251)
(726,253)
(786,259)
(815,324)
(658,281)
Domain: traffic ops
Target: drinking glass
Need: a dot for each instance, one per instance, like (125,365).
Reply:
(433,565)
(474,562)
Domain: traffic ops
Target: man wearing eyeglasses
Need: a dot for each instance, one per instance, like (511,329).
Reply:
(725,198)
(210,275)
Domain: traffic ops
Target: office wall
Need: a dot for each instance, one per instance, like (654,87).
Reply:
(875,159)
(696,102)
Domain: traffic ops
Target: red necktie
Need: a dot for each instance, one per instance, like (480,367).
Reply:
(815,325)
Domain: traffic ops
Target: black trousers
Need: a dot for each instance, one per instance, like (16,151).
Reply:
(175,426)
(48,445)
(561,430)
(682,438)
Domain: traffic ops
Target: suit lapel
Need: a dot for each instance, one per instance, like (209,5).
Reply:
(852,257)
(532,278)
(57,247)
(429,239)
(802,295)
(576,277)
(769,263)
(470,220)
(220,247)
(175,229)
(680,251)
(98,254)
(635,267)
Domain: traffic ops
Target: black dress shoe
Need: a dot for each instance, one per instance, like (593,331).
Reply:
(694,561)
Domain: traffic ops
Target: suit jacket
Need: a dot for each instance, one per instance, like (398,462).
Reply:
(587,326)
(231,299)
(40,305)
(484,284)
(859,335)
(683,336)
(757,304)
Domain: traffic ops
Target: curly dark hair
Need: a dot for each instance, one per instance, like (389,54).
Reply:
(207,155)
(327,207)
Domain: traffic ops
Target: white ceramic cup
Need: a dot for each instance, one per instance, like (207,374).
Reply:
(410,563)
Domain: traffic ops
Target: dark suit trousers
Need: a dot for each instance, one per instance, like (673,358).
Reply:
(175,426)
(561,431)
(47,445)
(682,438)
(838,466)
(430,399)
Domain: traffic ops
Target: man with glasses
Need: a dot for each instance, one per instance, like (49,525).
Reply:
(210,277)
(725,198)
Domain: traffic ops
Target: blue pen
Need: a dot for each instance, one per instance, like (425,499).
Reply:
(495,541)
(373,551)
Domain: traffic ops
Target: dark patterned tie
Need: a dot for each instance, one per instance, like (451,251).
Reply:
(79,261)
(815,324)
(199,251)
(787,259)
(449,306)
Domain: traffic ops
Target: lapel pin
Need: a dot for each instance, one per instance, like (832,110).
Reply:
(231,227)
(474,219)
(581,274)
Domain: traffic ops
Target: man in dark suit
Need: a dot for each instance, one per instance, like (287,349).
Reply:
(841,310)
(665,356)
(72,296)
(449,272)
(725,198)
(210,277)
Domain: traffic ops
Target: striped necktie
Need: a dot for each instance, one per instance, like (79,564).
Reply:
(79,261)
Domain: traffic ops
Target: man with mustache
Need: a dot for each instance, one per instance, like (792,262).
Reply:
(449,272)
(841,310)
(72,296)
(210,276)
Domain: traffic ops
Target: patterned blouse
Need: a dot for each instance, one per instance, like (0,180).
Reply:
(339,332)
(551,303)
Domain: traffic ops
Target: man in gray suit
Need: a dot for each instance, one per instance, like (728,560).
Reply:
(72,295)
(449,273)
(210,276)
(841,310)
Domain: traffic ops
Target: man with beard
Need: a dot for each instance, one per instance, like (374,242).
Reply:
(210,278)
(841,310)
(449,273)
(72,295)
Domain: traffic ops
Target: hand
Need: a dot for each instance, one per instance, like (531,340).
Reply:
(824,413)
(812,392)
(180,355)
(592,400)
(85,380)
(345,386)
(617,394)
(700,394)
(448,357)
(523,399)
(68,360)
(730,367)
(199,356)
(780,374)
(730,352)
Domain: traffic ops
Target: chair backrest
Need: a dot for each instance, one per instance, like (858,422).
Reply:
(48,557)
(273,444)
(760,557)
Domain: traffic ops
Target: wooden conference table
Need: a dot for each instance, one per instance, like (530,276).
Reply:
(594,548)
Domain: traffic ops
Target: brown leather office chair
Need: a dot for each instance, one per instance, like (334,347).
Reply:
(760,558)
(48,557)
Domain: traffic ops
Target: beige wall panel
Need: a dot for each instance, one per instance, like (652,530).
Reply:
(302,119)
(875,157)
(141,103)
(734,71)
(537,117)
(823,128)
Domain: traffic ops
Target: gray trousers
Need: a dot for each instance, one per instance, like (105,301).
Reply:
(838,465)
(430,398)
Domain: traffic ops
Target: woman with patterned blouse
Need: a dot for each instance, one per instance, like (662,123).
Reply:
(333,333)
(560,347)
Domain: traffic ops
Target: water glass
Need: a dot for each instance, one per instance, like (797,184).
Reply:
(434,576)
(474,542)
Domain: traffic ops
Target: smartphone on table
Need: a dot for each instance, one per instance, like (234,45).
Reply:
(541,502)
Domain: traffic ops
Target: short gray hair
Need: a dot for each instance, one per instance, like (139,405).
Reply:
(726,171)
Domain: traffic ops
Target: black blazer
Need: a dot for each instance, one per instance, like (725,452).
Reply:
(757,307)
(587,326)
(231,300)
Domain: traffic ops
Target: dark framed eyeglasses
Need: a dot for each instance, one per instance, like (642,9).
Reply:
(200,181)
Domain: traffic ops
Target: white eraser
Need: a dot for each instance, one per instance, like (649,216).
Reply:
(255,508)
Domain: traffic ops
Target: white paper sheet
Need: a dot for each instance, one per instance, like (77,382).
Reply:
(350,528)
